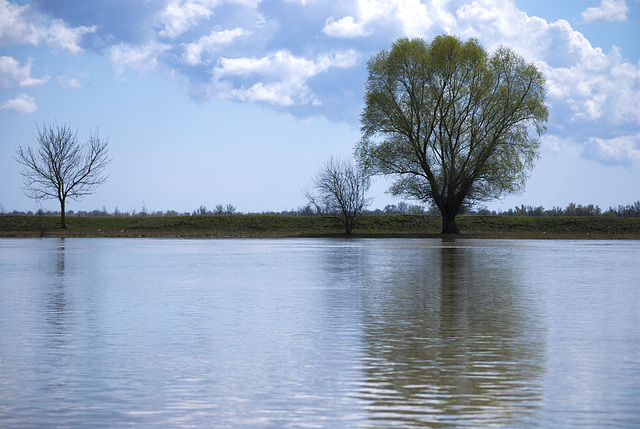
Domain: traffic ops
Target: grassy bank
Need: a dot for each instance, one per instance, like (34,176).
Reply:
(264,225)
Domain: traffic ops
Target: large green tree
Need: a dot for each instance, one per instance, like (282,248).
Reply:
(450,123)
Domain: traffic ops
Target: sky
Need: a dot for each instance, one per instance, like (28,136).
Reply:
(208,102)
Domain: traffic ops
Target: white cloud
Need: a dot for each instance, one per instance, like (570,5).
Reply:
(609,10)
(180,15)
(346,27)
(58,35)
(13,75)
(555,143)
(73,82)
(417,18)
(493,21)
(413,17)
(193,51)
(18,25)
(276,93)
(21,25)
(23,103)
(598,88)
(371,10)
(280,78)
(142,58)
(617,149)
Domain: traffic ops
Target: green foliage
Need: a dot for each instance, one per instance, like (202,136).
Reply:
(450,123)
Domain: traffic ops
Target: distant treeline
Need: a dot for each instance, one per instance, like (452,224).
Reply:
(631,210)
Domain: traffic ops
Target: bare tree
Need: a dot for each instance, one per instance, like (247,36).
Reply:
(339,191)
(62,168)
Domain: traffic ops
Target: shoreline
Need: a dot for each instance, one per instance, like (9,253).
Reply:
(283,226)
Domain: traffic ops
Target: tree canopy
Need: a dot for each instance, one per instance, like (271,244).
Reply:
(452,124)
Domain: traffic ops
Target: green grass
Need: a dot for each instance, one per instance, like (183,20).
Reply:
(266,225)
(552,227)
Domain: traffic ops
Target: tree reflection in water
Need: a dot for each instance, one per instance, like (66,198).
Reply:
(451,337)
(56,303)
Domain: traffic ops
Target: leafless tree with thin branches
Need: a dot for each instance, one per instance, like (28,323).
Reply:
(339,191)
(62,168)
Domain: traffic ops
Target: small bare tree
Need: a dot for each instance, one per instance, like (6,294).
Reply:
(339,191)
(62,168)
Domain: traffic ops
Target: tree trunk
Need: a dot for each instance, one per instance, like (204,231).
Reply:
(449,222)
(348,225)
(63,214)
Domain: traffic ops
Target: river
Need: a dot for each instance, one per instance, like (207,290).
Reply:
(360,333)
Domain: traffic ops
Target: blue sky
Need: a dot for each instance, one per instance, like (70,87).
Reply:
(238,101)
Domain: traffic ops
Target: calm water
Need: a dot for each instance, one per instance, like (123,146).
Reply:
(319,333)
